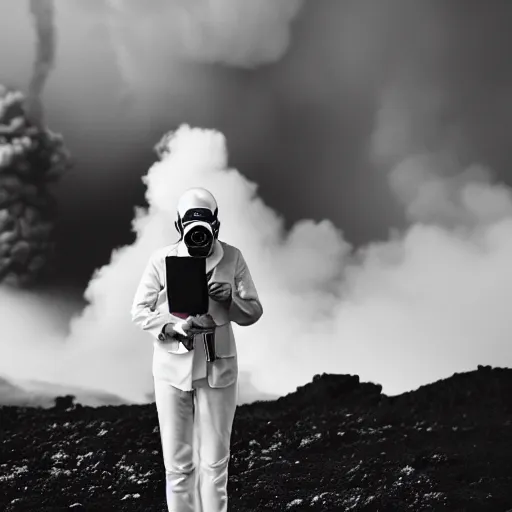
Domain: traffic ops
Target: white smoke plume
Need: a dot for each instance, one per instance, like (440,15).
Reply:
(154,39)
(447,280)
(241,34)
(402,313)
(104,350)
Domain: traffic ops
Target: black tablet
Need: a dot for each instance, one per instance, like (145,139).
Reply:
(187,286)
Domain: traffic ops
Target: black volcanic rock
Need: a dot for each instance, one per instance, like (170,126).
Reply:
(333,445)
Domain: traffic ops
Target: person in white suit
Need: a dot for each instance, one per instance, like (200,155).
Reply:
(193,395)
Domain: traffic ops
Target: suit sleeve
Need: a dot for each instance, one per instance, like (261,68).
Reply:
(245,308)
(144,313)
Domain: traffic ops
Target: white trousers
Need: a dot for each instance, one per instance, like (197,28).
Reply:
(195,432)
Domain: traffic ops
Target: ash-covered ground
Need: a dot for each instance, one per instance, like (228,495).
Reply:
(335,444)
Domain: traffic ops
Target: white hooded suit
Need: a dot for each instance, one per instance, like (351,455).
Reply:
(191,394)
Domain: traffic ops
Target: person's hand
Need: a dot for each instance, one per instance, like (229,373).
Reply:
(181,331)
(200,323)
(178,330)
(220,292)
(185,330)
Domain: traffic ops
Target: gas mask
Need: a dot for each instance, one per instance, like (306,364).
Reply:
(197,221)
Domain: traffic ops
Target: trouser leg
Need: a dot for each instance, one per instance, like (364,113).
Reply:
(215,411)
(175,410)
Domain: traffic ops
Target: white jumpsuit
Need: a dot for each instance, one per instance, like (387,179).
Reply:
(196,400)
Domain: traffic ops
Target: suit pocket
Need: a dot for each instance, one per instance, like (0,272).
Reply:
(225,346)
(172,346)
(223,372)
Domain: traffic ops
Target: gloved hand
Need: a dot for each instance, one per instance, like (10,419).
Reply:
(185,330)
(181,331)
(200,323)
(221,292)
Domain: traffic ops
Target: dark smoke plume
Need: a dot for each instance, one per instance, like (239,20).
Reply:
(43,12)
(31,158)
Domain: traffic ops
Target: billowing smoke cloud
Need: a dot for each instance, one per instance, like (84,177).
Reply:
(447,280)
(402,313)
(43,13)
(294,277)
(242,34)
(153,41)
(32,158)
(429,301)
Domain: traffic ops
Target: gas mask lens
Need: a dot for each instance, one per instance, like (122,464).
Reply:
(199,236)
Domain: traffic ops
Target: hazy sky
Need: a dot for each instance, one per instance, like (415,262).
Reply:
(374,114)
(299,126)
